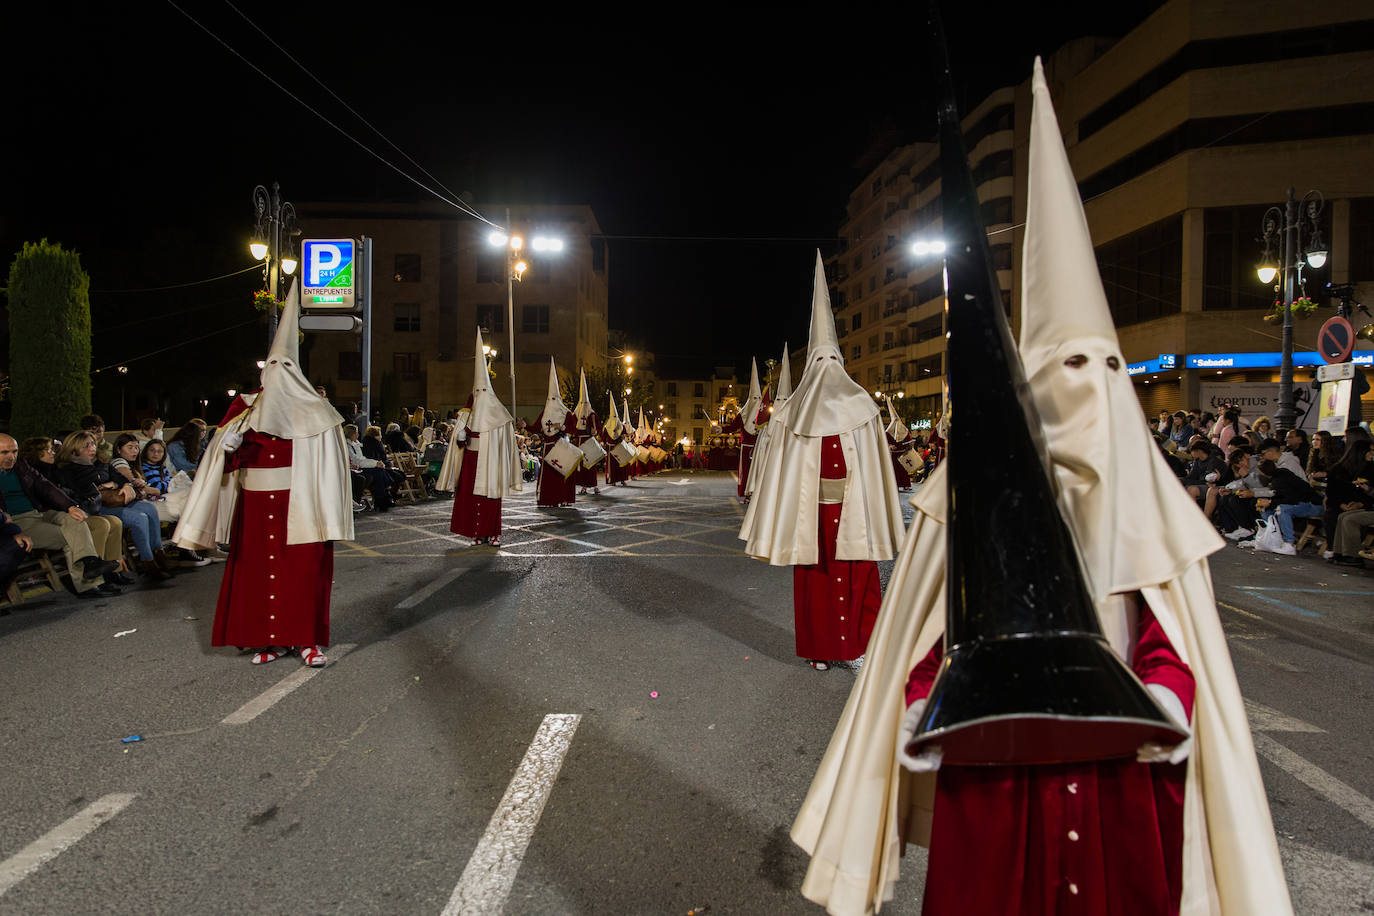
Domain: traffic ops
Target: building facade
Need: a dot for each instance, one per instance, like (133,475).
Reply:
(686,402)
(437,278)
(1182,134)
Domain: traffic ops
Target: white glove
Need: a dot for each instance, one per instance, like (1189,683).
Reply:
(1154,753)
(231,441)
(928,760)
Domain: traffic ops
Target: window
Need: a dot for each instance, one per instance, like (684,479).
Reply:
(407,365)
(873,344)
(350,366)
(993,165)
(872,283)
(672,389)
(696,433)
(699,390)
(930,328)
(930,367)
(407,317)
(721,392)
(491,317)
(491,269)
(841,327)
(877,250)
(407,268)
(996,211)
(857,321)
(1141,271)
(1001,256)
(535,319)
(857,352)
(930,288)
(876,187)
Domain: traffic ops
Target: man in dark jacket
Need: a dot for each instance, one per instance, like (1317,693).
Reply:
(14,547)
(1293,498)
(49,519)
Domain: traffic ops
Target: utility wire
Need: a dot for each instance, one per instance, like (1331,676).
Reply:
(154,289)
(336,97)
(175,313)
(364,147)
(175,346)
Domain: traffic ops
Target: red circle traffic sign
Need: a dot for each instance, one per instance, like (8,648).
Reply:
(1336,340)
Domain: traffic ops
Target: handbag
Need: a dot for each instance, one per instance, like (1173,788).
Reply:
(114,499)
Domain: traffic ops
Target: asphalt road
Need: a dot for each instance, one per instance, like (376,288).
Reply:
(409,773)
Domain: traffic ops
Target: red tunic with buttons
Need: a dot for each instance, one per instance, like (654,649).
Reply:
(834,602)
(473,516)
(1090,838)
(272,594)
(554,488)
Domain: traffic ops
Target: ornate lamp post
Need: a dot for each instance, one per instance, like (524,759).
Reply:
(1282,228)
(275,218)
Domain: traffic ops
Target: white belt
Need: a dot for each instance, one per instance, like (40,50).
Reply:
(832,490)
(267,478)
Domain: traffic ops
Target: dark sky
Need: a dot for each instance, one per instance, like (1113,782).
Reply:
(136,138)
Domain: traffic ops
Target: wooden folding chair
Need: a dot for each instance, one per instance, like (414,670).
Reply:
(413,486)
(37,570)
(1312,532)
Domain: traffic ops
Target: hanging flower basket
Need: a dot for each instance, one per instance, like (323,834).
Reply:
(264,300)
(1302,308)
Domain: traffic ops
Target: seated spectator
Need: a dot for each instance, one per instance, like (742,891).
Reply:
(1271,450)
(187,446)
(41,455)
(435,450)
(1237,505)
(152,462)
(1295,441)
(124,467)
(1227,429)
(84,477)
(1324,454)
(149,428)
(370,472)
(1261,429)
(52,520)
(1347,490)
(14,549)
(1293,498)
(1204,462)
(1165,447)
(397,440)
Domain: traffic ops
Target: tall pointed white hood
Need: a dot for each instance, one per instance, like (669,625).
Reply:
(827,401)
(749,412)
(1105,461)
(612,424)
(626,425)
(289,407)
(895,428)
(488,412)
(583,410)
(555,411)
(784,380)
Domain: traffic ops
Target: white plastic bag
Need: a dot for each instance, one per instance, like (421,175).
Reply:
(1268,536)
(180,481)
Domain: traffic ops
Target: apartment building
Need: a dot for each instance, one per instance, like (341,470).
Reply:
(687,399)
(437,278)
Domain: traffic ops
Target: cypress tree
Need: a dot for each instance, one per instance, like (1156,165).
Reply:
(50,340)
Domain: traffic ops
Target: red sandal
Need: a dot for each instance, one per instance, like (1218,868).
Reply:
(312,657)
(270,654)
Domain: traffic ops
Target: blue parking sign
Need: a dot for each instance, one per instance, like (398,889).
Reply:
(328,282)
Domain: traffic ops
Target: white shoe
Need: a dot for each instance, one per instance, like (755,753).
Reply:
(1328,554)
(1240,534)
(1248,544)
(1285,549)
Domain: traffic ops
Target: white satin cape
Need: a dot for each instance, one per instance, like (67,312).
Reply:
(498,462)
(320,507)
(862,804)
(781,524)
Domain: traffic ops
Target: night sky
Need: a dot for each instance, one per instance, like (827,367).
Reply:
(135,137)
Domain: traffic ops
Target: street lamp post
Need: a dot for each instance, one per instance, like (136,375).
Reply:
(516,265)
(275,217)
(1292,260)
(123,374)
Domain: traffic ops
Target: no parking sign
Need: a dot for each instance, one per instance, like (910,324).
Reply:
(1336,340)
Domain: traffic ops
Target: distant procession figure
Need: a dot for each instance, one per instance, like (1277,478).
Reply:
(612,434)
(781,392)
(585,426)
(627,435)
(554,424)
(482,464)
(827,505)
(898,443)
(274,485)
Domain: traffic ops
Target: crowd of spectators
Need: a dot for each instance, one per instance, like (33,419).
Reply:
(1257,484)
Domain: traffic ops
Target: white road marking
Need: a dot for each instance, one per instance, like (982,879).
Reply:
(682,482)
(1317,879)
(1326,785)
(273,695)
(51,844)
(431,588)
(1264,719)
(490,873)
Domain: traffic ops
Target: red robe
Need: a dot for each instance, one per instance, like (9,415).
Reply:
(898,449)
(272,594)
(554,488)
(584,476)
(834,602)
(473,516)
(1091,838)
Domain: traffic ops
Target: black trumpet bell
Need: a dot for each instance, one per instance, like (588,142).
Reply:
(1027,677)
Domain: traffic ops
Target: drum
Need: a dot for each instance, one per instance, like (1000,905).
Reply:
(563,457)
(592,453)
(623,452)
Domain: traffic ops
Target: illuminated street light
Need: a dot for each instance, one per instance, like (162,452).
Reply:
(258,248)
(262,363)
(231,391)
(923,247)
(289,263)
(275,223)
(516,243)
(496,238)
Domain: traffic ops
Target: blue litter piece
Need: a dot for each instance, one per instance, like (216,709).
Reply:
(131,739)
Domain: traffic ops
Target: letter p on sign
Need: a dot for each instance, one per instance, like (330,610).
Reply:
(325,258)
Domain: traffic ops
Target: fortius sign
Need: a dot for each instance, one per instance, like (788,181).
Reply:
(328,282)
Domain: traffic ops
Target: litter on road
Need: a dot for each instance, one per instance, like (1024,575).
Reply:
(125,632)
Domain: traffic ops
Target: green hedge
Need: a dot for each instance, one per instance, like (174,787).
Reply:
(50,340)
